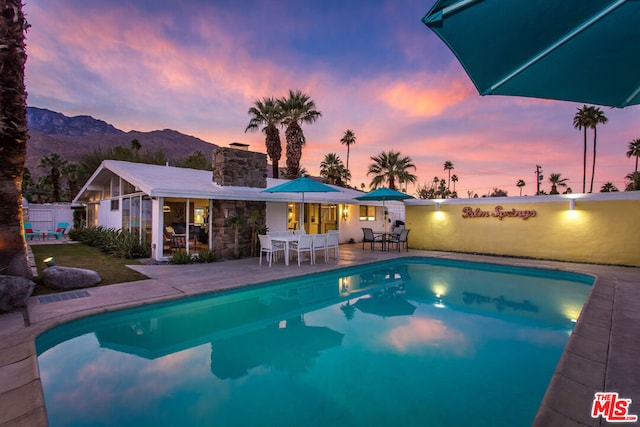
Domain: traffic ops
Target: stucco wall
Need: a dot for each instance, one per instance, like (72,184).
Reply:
(601,229)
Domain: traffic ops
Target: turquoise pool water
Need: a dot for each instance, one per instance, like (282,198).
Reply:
(411,342)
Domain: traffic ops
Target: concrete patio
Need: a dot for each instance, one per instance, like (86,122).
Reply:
(603,352)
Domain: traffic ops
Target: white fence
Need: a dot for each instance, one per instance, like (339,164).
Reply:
(46,217)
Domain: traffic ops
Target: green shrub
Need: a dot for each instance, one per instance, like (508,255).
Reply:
(180,258)
(117,243)
(206,256)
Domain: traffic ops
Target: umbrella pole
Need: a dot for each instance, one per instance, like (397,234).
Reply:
(302,214)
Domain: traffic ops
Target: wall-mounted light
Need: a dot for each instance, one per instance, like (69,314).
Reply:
(345,212)
(166,209)
(49,261)
(437,206)
(572,204)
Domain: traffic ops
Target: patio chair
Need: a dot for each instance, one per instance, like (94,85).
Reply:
(59,232)
(400,240)
(320,244)
(305,244)
(333,242)
(369,237)
(268,247)
(29,232)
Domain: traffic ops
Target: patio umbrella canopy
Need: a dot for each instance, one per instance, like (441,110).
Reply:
(570,50)
(382,194)
(301,185)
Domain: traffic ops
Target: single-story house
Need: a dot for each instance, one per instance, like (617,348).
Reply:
(159,202)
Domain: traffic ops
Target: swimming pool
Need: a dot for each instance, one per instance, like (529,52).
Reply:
(404,342)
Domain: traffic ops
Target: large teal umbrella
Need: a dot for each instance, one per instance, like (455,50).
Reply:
(585,51)
(301,185)
(383,194)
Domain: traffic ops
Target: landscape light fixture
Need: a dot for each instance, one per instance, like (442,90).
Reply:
(49,261)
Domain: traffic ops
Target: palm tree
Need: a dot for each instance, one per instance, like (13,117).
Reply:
(13,138)
(634,181)
(582,121)
(298,108)
(348,139)
(70,173)
(597,117)
(454,179)
(54,163)
(556,181)
(608,187)
(333,171)
(387,168)
(521,184)
(634,151)
(448,166)
(267,113)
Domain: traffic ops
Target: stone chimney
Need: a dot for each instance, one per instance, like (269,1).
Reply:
(239,167)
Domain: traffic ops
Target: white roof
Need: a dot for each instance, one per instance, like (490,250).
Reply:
(169,181)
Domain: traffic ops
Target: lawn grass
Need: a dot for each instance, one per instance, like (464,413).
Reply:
(111,270)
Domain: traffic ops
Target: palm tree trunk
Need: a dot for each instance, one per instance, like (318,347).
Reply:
(584,163)
(348,158)
(593,167)
(13,139)
(294,138)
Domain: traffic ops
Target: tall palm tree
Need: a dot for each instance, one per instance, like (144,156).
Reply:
(582,121)
(389,167)
(348,139)
(297,109)
(454,179)
(448,166)
(597,118)
(54,163)
(13,138)
(267,113)
(608,187)
(70,173)
(556,181)
(521,184)
(634,181)
(634,151)
(333,171)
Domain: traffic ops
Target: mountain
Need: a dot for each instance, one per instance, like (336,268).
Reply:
(72,137)
(53,123)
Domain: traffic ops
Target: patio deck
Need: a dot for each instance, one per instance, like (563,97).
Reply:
(603,352)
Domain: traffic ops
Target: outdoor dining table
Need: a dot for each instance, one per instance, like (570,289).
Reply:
(286,239)
(385,238)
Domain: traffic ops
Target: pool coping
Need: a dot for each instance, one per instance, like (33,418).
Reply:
(602,353)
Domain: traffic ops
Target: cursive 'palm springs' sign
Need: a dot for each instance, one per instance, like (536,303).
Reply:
(499,212)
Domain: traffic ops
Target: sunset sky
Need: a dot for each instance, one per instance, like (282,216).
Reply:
(197,66)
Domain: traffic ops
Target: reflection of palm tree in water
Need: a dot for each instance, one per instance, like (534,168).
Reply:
(292,349)
(348,310)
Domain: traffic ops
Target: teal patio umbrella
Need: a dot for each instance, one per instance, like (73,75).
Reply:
(383,194)
(301,185)
(585,51)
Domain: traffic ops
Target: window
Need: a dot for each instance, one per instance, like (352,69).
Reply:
(367,213)
(115,204)
(115,186)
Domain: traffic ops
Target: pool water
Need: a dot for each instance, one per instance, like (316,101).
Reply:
(411,342)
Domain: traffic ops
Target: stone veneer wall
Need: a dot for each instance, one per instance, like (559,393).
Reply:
(240,168)
(224,232)
(233,167)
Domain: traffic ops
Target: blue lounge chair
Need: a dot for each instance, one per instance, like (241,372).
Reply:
(29,232)
(59,232)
